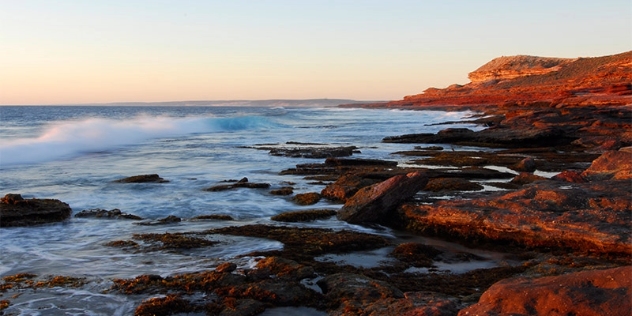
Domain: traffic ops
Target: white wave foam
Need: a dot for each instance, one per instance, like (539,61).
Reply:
(71,138)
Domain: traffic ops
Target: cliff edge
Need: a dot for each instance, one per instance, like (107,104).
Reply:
(531,80)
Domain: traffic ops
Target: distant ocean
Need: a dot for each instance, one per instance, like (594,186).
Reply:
(74,153)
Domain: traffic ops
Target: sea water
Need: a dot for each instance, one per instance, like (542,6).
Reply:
(75,153)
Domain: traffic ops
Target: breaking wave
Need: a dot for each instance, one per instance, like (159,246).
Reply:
(71,138)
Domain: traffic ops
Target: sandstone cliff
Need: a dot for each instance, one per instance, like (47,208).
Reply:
(510,67)
(530,80)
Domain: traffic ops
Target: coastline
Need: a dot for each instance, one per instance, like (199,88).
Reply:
(569,229)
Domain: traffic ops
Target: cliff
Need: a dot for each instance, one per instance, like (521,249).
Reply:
(505,68)
(529,80)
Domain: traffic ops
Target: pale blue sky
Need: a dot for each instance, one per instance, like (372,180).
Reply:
(54,52)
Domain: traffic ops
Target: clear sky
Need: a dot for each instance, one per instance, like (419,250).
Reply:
(69,52)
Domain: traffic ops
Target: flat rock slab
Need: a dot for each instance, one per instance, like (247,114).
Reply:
(372,203)
(17,211)
(588,217)
(600,292)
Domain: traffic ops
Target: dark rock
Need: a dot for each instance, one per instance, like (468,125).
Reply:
(219,217)
(17,211)
(314,152)
(303,216)
(569,176)
(226,267)
(282,268)
(243,183)
(599,292)
(352,293)
(371,203)
(307,198)
(359,162)
(451,184)
(526,178)
(414,304)
(525,165)
(283,191)
(161,221)
(416,254)
(145,178)
(112,214)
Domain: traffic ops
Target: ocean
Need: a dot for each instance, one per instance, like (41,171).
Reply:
(75,153)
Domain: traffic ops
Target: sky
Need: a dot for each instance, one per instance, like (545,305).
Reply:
(78,52)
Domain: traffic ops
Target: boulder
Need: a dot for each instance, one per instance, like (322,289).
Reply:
(451,184)
(307,198)
(525,165)
(354,292)
(611,165)
(17,211)
(346,186)
(600,292)
(371,203)
(144,178)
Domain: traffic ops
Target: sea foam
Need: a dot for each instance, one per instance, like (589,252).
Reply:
(68,139)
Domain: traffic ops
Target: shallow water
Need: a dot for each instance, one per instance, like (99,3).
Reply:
(75,153)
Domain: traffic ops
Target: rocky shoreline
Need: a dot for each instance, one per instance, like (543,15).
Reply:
(547,184)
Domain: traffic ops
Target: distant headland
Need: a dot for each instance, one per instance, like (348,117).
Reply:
(532,80)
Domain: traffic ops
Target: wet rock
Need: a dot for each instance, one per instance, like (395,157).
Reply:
(111,214)
(371,203)
(241,307)
(347,185)
(283,191)
(526,178)
(496,137)
(219,217)
(590,217)
(284,269)
(611,165)
(145,178)
(167,305)
(451,184)
(303,216)
(172,241)
(414,304)
(569,176)
(359,162)
(17,211)
(226,267)
(349,293)
(307,242)
(161,221)
(243,183)
(416,254)
(314,152)
(525,165)
(599,292)
(310,198)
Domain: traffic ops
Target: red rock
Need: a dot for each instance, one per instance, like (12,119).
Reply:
(611,165)
(307,198)
(371,203)
(589,217)
(569,176)
(587,293)
(346,186)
